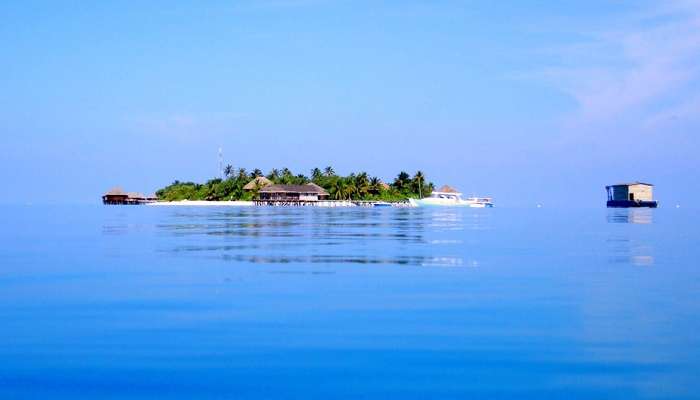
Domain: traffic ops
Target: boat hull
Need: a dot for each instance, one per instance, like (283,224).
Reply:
(632,203)
(428,202)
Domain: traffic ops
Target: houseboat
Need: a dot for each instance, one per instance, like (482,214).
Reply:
(634,194)
(448,196)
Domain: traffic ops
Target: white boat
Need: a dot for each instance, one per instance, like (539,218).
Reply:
(447,196)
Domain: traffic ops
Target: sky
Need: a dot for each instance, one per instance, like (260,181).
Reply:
(531,102)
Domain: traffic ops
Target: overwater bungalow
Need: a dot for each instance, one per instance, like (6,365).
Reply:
(634,194)
(117,196)
(293,193)
(136,197)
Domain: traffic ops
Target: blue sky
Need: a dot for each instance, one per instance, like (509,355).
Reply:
(531,102)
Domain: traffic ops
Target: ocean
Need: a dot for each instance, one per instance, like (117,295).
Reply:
(138,302)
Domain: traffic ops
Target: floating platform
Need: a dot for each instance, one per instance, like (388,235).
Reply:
(632,203)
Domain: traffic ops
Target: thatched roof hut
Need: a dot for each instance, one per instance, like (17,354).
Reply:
(135,196)
(116,191)
(257,183)
(307,192)
(447,189)
(115,195)
(319,188)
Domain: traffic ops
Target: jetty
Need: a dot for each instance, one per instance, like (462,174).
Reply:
(633,194)
(310,195)
(330,203)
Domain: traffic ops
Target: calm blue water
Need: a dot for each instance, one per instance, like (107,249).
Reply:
(144,302)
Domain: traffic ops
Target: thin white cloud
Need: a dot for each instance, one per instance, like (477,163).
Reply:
(642,68)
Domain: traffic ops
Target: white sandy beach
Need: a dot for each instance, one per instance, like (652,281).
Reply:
(206,203)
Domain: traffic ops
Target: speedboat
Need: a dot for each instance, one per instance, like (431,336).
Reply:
(479,202)
(447,196)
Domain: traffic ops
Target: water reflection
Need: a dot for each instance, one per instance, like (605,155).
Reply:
(626,246)
(631,215)
(420,237)
(623,250)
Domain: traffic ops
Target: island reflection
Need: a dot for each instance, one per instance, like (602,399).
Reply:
(418,237)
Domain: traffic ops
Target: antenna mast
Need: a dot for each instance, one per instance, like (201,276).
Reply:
(221,164)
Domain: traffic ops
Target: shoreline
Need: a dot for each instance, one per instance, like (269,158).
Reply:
(203,203)
(258,203)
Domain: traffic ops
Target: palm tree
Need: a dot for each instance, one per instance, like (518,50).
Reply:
(329,171)
(350,190)
(228,171)
(362,184)
(211,193)
(287,177)
(256,173)
(316,173)
(301,179)
(401,180)
(375,185)
(274,175)
(419,178)
(242,173)
(337,189)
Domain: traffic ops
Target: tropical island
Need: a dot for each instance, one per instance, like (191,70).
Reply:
(241,185)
